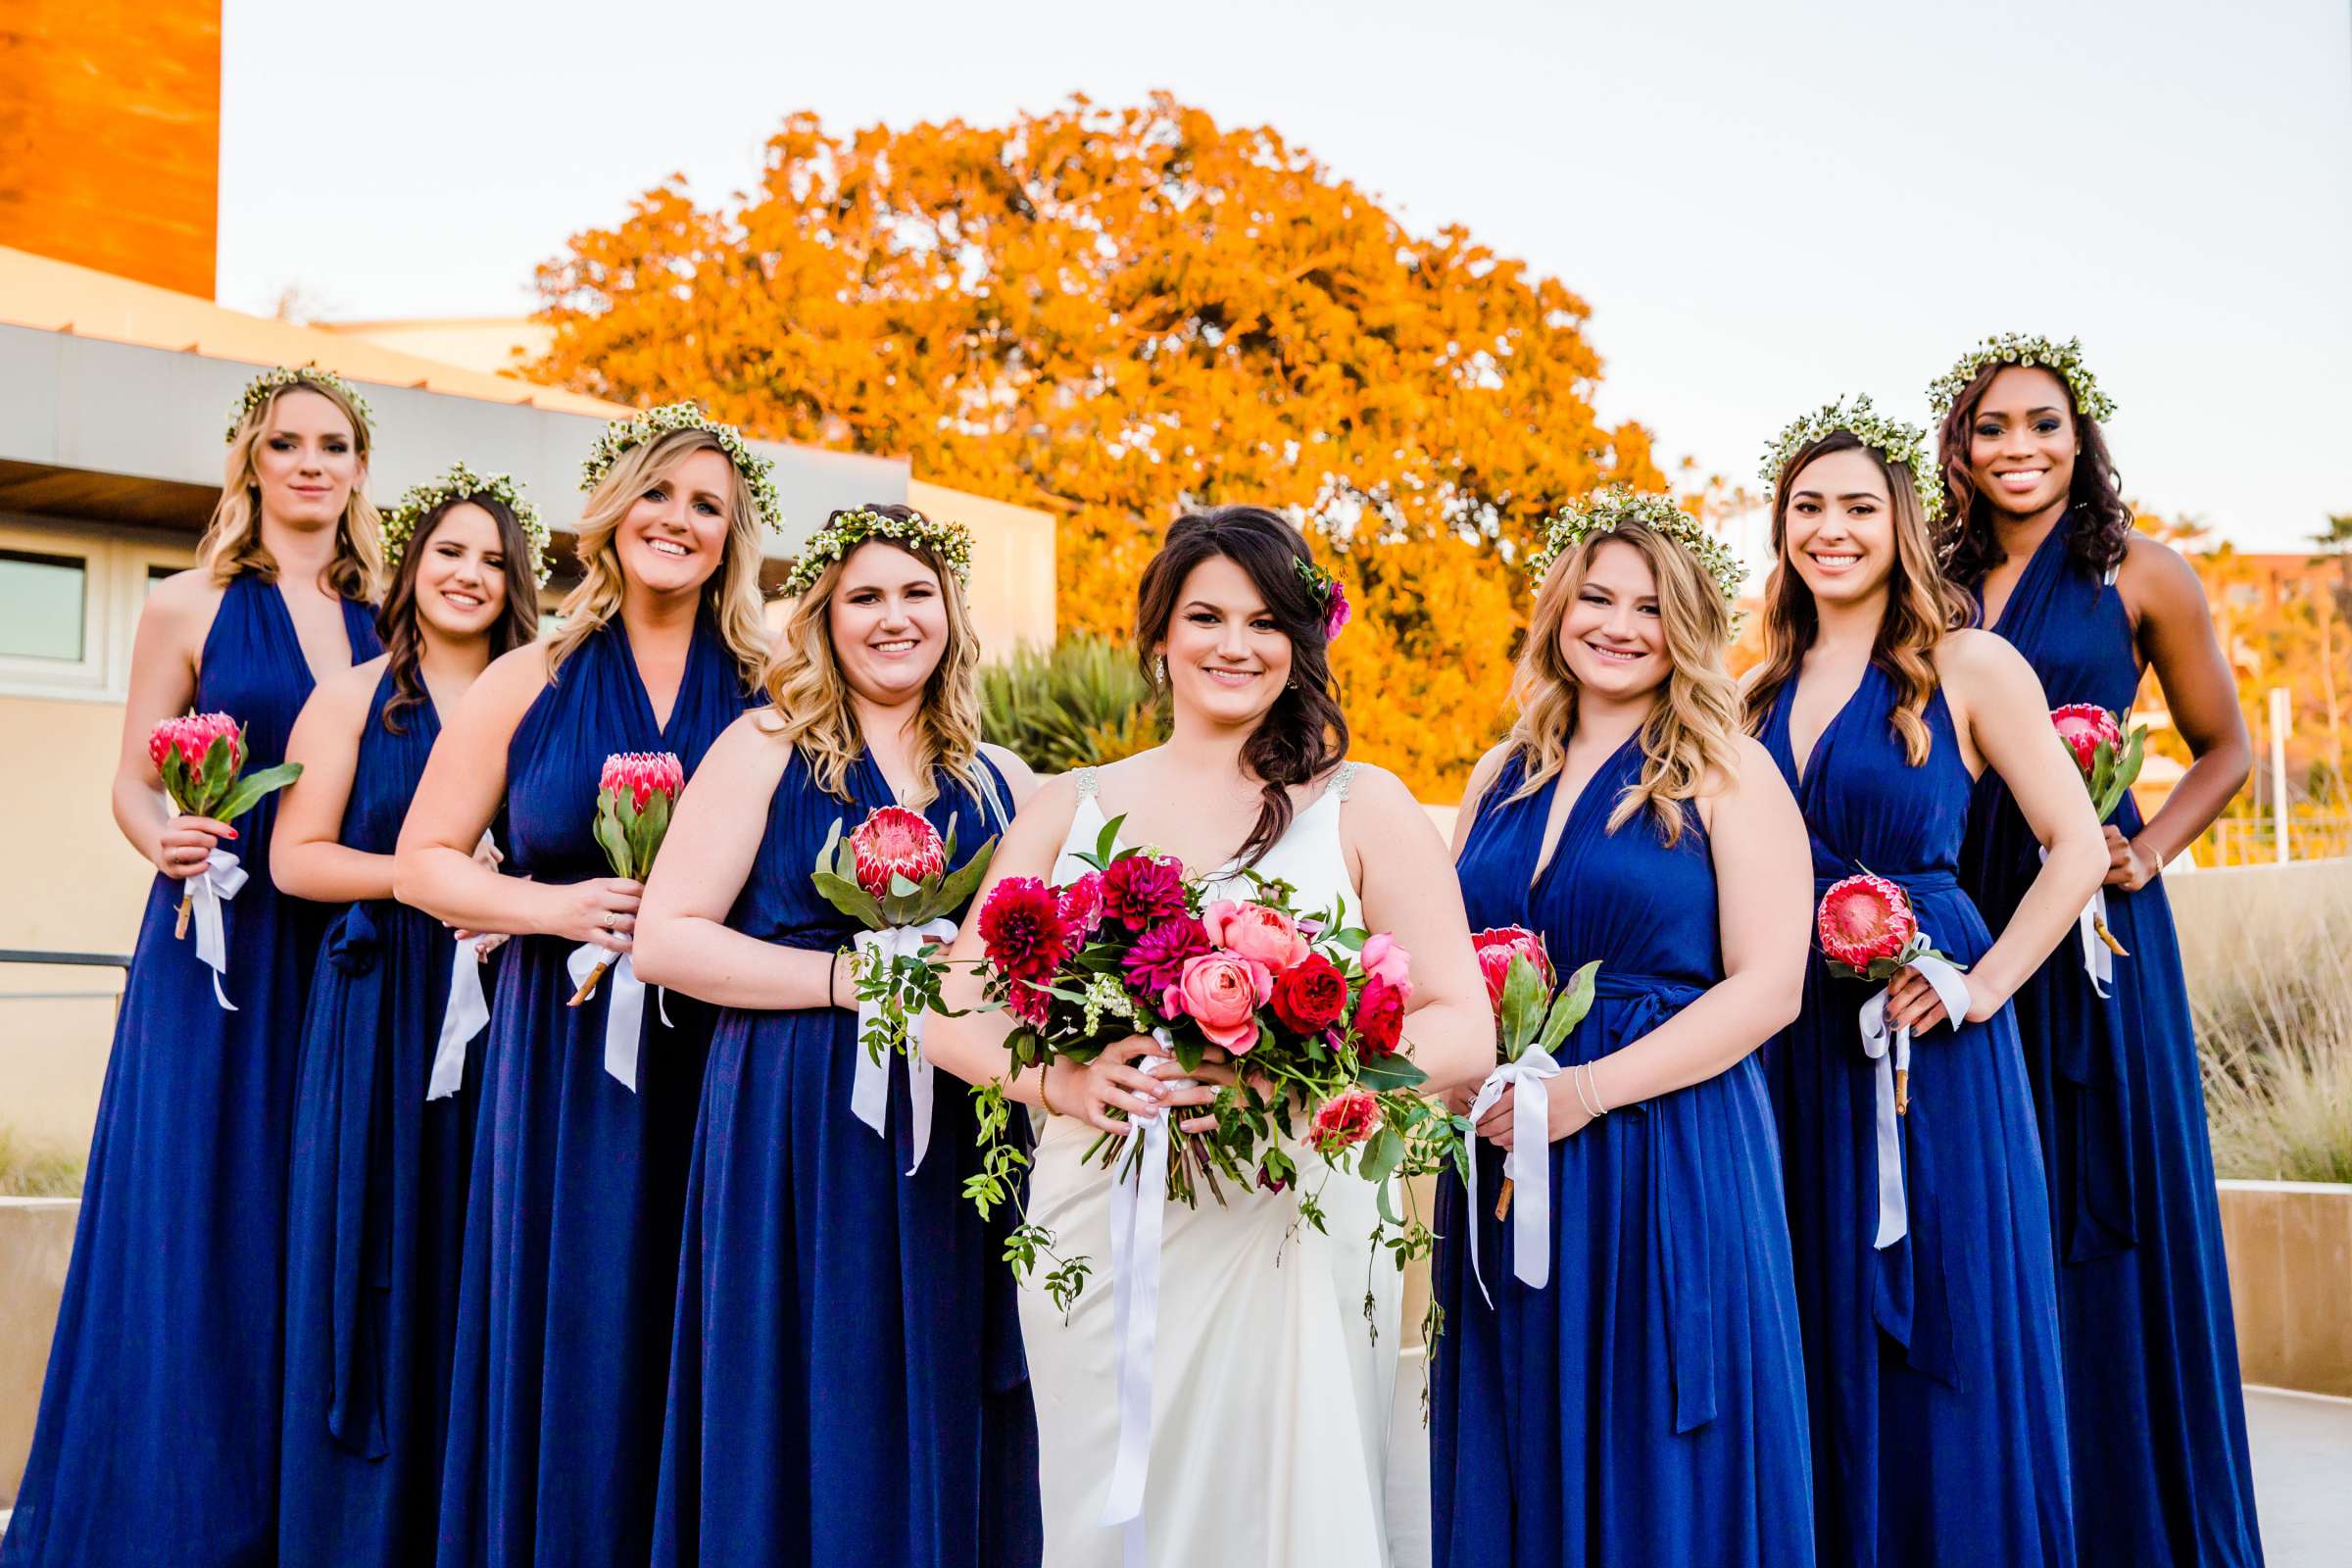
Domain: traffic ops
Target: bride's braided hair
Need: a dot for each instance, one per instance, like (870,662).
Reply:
(1304,734)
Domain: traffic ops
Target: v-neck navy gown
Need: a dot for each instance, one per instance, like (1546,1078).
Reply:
(2161,1466)
(1649,1404)
(375,1223)
(847,1384)
(157,1440)
(578,1186)
(1937,1401)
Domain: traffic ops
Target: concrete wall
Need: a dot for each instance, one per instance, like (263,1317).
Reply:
(1012,564)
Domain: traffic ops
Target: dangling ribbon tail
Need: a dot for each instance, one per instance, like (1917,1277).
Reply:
(1526,1166)
(206,891)
(1879,1045)
(624,1008)
(1138,1200)
(2099,945)
(870,1082)
(468,1012)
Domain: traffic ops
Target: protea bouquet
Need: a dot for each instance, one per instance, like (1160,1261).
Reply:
(201,758)
(1309,1009)
(634,794)
(2110,763)
(1529,1016)
(1869,932)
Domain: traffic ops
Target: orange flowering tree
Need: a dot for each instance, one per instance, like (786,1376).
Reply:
(1115,313)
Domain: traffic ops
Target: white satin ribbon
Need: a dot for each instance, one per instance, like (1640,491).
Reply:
(2099,961)
(1952,989)
(869,1083)
(624,1007)
(1138,1204)
(1527,1165)
(468,1012)
(208,890)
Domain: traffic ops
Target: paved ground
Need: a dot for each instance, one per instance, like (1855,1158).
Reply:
(2302,1475)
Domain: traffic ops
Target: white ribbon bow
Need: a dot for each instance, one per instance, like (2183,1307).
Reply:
(468,1012)
(208,890)
(1138,1202)
(870,1084)
(1527,1164)
(2098,961)
(1952,989)
(624,1007)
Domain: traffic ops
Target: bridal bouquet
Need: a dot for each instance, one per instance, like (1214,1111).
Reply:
(890,876)
(201,759)
(2110,763)
(1308,1010)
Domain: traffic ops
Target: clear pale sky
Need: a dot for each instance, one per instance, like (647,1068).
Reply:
(1765,204)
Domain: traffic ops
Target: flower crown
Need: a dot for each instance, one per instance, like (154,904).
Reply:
(846,530)
(1891,439)
(262,387)
(621,435)
(1329,592)
(460,483)
(2061,360)
(1604,510)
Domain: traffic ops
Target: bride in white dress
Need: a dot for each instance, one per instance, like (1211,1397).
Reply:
(1277,1345)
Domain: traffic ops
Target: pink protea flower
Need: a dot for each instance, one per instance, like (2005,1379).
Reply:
(1082,904)
(894,842)
(1343,1121)
(1021,930)
(191,735)
(2083,726)
(640,775)
(1138,891)
(1863,919)
(1497,946)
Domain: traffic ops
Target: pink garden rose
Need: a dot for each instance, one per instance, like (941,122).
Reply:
(1381,956)
(1254,931)
(1221,992)
(1343,1122)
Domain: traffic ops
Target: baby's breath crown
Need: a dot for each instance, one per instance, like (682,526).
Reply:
(846,530)
(460,482)
(2061,360)
(261,387)
(653,424)
(1891,439)
(1604,510)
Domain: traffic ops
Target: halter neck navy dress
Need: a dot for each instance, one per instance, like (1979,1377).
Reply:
(1938,1412)
(847,1384)
(158,1432)
(2161,1469)
(375,1221)
(578,1185)
(1648,1404)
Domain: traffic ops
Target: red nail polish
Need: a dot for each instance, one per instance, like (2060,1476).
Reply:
(232,832)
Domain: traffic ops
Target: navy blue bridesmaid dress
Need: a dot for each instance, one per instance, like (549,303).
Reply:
(847,1384)
(1938,1404)
(2161,1469)
(156,1439)
(1649,1404)
(578,1185)
(376,1207)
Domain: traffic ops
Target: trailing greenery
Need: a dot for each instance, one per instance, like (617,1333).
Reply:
(1083,701)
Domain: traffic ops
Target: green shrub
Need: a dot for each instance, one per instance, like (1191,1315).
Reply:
(1082,701)
(30,1171)
(2272,996)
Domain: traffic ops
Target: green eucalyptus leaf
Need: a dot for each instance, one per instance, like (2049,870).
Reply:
(1382,1073)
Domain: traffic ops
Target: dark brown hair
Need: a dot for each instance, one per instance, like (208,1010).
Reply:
(396,620)
(1921,604)
(1304,734)
(1971,545)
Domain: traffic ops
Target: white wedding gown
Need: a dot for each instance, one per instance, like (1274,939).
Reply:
(1272,1392)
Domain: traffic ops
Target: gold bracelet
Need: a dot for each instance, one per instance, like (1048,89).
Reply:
(1043,1073)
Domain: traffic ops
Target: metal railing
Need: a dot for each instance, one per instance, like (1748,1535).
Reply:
(45,958)
(2254,841)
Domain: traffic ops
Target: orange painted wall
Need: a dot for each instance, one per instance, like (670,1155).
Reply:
(110,136)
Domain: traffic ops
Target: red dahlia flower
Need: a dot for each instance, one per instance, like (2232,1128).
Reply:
(894,842)
(1138,891)
(1156,958)
(1022,932)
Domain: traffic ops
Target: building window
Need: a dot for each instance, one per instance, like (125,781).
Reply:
(44,605)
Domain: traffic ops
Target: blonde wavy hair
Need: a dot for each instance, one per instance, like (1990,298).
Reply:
(1693,717)
(732,592)
(232,546)
(1921,604)
(810,698)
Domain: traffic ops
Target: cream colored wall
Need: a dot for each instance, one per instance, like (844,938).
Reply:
(1012,564)
(492,344)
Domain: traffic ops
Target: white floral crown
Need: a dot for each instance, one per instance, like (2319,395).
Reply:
(2061,360)
(846,530)
(269,383)
(1891,439)
(653,424)
(1604,510)
(460,483)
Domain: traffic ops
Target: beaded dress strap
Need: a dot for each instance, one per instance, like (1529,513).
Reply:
(1341,780)
(1086,780)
